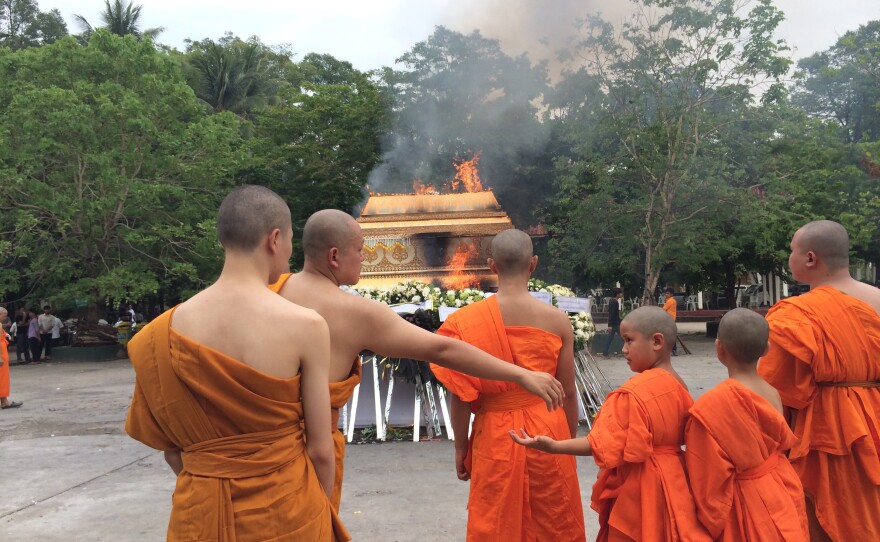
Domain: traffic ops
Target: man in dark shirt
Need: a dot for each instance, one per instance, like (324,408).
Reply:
(613,318)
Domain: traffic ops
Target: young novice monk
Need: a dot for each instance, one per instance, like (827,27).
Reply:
(642,491)
(743,485)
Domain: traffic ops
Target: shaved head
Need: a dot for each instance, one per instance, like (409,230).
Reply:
(249,213)
(327,229)
(512,251)
(828,240)
(744,334)
(650,320)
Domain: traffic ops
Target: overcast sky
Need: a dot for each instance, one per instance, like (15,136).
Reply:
(373,33)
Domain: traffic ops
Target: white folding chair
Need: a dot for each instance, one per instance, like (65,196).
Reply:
(692,303)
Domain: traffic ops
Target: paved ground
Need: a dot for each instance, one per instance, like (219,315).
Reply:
(71,473)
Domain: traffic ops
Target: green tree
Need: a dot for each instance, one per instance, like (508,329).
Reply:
(120,18)
(112,172)
(317,146)
(235,75)
(22,25)
(669,76)
(843,83)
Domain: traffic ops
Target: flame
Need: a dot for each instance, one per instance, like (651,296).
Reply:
(420,187)
(459,278)
(467,175)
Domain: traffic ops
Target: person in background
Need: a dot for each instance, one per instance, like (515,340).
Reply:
(22,349)
(57,324)
(46,321)
(4,366)
(33,336)
(613,319)
(6,322)
(671,306)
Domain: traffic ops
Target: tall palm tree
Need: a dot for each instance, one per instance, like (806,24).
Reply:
(234,76)
(121,18)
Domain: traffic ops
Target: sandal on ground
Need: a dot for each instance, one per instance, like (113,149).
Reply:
(13,404)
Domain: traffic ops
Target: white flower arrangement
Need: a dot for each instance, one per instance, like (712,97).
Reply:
(460,298)
(417,292)
(584,329)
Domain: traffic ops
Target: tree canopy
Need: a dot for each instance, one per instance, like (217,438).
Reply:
(669,151)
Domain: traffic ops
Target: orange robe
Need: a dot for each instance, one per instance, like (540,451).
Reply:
(4,370)
(516,493)
(824,357)
(642,492)
(743,485)
(671,306)
(246,474)
(340,393)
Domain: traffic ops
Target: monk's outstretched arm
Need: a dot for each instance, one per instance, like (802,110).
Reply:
(392,336)
(316,402)
(460,414)
(572,446)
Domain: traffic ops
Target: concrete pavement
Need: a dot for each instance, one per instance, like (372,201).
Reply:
(71,473)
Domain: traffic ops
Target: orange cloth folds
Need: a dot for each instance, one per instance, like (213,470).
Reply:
(743,485)
(516,493)
(4,370)
(340,393)
(246,475)
(642,491)
(822,345)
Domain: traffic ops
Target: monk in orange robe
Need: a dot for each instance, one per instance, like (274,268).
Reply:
(671,306)
(516,494)
(333,248)
(735,444)
(227,410)
(824,361)
(4,368)
(340,393)
(642,491)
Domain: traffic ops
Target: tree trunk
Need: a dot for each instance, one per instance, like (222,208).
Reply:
(730,284)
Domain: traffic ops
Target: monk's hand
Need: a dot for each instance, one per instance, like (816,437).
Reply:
(542,443)
(460,468)
(544,386)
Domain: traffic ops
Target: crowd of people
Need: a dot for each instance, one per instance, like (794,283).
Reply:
(793,457)
(34,334)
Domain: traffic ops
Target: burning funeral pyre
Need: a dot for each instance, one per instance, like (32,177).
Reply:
(433,237)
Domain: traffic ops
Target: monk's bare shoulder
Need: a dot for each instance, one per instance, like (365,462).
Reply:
(558,319)
(867,293)
(769,393)
(367,309)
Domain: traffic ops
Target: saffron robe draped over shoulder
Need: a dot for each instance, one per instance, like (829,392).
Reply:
(743,485)
(340,393)
(825,361)
(642,491)
(4,370)
(516,494)
(246,474)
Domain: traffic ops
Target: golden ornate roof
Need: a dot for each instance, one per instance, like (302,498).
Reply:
(409,204)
